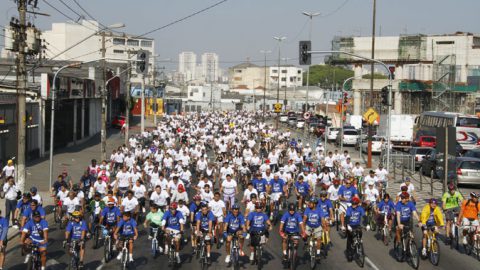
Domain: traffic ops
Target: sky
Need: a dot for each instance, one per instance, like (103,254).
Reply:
(237,30)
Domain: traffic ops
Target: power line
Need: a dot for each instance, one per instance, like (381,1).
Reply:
(336,10)
(88,14)
(78,14)
(66,16)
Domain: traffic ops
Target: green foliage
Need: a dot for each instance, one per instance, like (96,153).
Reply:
(325,75)
(375,76)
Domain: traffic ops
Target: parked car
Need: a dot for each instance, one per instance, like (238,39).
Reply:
(425,141)
(283,118)
(349,137)
(317,125)
(118,121)
(292,120)
(428,165)
(332,133)
(468,170)
(418,154)
(300,123)
(377,144)
(474,153)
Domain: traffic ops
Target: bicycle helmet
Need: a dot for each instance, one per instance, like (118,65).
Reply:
(203,204)
(174,205)
(36,214)
(197,198)
(323,193)
(76,214)
(235,206)
(451,187)
(404,195)
(111,201)
(97,194)
(355,200)
(473,194)
(313,200)
(33,190)
(404,188)
(407,179)
(291,207)
(432,200)
(336,182)
(27,195)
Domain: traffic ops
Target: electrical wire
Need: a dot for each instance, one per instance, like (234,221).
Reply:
(88,14)
(78,14)
(336,10)
(66,16)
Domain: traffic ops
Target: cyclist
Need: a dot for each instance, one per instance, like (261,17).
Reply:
(126,230)
(248,192)
(431,217)
(110,215)
(154,219)
(36,196)
(130,204)
(22,205)
(95,208)
(404,211)
(385,207)
(354,215)
(76,230)
(3,239)
(451,201)
(313,218)
(257,222)
(229,189)
(326,206)
(172,225)
(35,232)
(302,191)
(204,226)
(370,196)
(234,225)
(276,188)
(469,214)
(218,209)
(346,194)
(292,224)
(260,184)
(70,204)
(28,212)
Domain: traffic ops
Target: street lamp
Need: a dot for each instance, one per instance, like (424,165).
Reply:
(265,52)
(310,15)
(279,39)
(286,82)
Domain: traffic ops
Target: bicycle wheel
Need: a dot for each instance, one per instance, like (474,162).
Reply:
(259,258)
(434,252)
(96,237)
(360,255)
(56,218)
(154,248)
(337,219)
(30,264)
(106,249)
(398,248)
(235,262)
(455,237)
(385,235)
(313,260)
(124,259)
(372,221)
(293,259)
(413,254)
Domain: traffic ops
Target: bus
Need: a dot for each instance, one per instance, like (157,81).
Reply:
(467,127)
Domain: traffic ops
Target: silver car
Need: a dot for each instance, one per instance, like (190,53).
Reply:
(468,170)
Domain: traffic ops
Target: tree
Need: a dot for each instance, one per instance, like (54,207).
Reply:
(325,76)
(375,76)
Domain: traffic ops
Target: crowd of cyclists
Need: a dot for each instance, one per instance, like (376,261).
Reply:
(211,178)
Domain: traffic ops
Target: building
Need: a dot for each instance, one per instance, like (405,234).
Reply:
(249,76)
(210,67)
(290,76)
(187,65)
(431,72)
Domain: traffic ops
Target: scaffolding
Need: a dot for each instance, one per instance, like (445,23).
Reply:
(412,48)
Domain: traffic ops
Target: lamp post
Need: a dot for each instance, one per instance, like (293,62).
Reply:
(309,15)
(286,82)
(279,39)
(265,52)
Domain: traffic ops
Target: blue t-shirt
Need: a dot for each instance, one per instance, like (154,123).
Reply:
(355,215)
(76,229)
(22,206)
(431,218)
(277,186)
(3,228)
(302,188)
(314,217)
(127,228)
(173,221)
(258,221)
(325,206)
(386,207)
(204,219)
(28,212)
(235,223)
(347,193)
(291,223)
(405,210)
(260,185)
(110,215)
(194,208)
(35,230)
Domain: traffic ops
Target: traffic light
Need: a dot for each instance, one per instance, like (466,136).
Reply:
(142,62)
(392,72)
(385,95)
(345,98)
(305,58)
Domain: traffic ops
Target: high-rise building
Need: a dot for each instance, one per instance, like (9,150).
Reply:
(187,62)
(210,67)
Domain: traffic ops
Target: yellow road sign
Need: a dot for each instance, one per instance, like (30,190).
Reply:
(277,107)
(370,115)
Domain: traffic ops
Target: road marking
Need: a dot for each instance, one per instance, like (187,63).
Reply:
(371,264)
(101,265)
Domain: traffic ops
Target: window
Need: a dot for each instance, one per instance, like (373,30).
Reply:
(468,122)
(118,41)
(203,94)
(284,79)
(147,43)
(284,71)
(238,70)
(274,71)
(191,94)
(118,51)
(299,71)
(132,42)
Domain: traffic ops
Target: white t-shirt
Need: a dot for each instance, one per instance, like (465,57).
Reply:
(100,187)
(38,198)
(128,204)
(329,161)
(371,194)
(61,195)
(123,179)
(139,191)
(208,197)
(410,189)
(70,204)
(381,174)
(202,164)
(202,184)
(333,191)
(159,199)
(9,170)
(247,193)
(229,187)
(217,207)
(357,171)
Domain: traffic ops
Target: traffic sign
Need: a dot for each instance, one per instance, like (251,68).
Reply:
(306,115)
(277,107)
(370,115)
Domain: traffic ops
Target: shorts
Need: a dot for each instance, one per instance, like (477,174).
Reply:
(317,232)
(218,219)
(450,213)
(121,191)
(276,196)
(261,195)
(176,233)
(467,223)
(343,207)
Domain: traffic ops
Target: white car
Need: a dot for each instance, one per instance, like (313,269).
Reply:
(332,133)
(377,144)
(283,118)
(350,137)
(300,123)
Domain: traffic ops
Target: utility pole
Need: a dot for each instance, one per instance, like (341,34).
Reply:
(21,98)
(265,52)
(372,66)
(127,111)
(142,97)
(155,94)
(211,87)
(309,15)
(279,39)
(103,120)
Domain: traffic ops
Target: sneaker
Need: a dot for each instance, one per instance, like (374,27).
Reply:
(424,252)
(251,256)
(241,254)
(209,261)
(342,228)
(80,265)
(15,227)
(221,240)
(130,259)
(285,257)
(89,235)
(119,256)
(27,258)
(149,237)
(160,249)
(227,259)
(464,241)
(178,259)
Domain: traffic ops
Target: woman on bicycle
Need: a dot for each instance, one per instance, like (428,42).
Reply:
(154,219)
(126,231)
(291,223)
(431,217)
(386,207)
(76,230)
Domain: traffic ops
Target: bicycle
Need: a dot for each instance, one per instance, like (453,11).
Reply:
(325,243)
(357,247)
(359,180)
(154,246)
(74,251)
(234,253)
(35,262)
(385,231)
(172,258)
(201,251)
(433,249)
(259,239)
(406,249)
(454,232)
(371,217)
(291,262)
(312,250)
(124,260)
(473,242)
(97,230)
(107,243)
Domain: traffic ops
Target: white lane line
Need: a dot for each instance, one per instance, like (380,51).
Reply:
(371,264)
(101,265)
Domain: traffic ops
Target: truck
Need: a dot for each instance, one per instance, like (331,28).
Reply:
(355,121)
(401,129)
